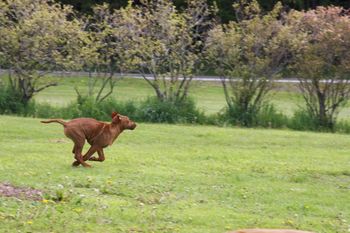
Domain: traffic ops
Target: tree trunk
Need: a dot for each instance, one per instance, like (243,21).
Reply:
(26,91)
(325,121)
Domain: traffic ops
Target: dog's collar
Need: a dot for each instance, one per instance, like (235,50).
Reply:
(101,131)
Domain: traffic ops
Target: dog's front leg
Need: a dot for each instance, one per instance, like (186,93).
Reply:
(101,156)
(88,154)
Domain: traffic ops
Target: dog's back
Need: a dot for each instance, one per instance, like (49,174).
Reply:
(84,127)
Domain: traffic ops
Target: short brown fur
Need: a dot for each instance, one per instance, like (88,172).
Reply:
(98,134)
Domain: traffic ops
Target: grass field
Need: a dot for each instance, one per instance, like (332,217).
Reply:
(208,95)
(177,178)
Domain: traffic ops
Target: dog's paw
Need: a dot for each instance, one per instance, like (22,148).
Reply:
(87,165)
(75,164)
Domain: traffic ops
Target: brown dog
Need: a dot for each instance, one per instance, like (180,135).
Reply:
(269,231)
(98,134)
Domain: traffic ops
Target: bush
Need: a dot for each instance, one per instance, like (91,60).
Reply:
(267,117)
(342,127)
(86,107)
(151,110)
(270,117)
(45,110)
(302,120)
(11,101)
(154,110)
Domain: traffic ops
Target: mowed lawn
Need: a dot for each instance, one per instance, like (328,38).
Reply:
(208,96)
(177,178)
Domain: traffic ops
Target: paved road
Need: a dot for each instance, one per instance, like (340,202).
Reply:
(137,76)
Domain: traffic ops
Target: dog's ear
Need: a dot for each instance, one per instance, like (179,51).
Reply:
(114,114)
(116,119)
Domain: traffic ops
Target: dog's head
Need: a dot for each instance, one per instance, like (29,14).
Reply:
(123,121)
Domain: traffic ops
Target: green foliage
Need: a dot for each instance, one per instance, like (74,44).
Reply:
(151,110)
(166,44)
(86,107)
(302,120)
(225,11)
(36,37)
(322,62)
(342,126)
(10,100)
(89,108)
(154,110)
(248,55)
(45,110)
(267,117)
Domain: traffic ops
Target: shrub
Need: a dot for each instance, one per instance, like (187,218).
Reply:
(342,127)
(10,101)
(151,110)
(302,120)
(154,110)
(83,107)
(267,117)
(270,117)
(45,110)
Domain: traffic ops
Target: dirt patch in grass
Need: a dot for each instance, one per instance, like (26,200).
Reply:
(8,190)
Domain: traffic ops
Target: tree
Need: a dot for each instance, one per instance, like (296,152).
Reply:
(248,55)
(37,37)
(109,45)
(167,44)
(323,65)
(225,13)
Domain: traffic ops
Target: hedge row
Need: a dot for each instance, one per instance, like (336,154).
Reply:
(152,110)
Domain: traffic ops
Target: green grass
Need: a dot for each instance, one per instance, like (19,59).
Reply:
(177,178)
(209,96)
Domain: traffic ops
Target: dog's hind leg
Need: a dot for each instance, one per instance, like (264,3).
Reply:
(78,148)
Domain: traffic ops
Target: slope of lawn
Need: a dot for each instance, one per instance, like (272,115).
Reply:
(209,96)
(176,178)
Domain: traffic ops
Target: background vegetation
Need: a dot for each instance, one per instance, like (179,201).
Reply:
(168,47)
(225,12)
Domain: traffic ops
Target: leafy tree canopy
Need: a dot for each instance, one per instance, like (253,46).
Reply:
(226,12)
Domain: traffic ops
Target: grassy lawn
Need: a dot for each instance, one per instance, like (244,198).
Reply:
(174,178)
(208,95)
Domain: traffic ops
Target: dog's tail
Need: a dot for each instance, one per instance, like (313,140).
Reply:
(55,120)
